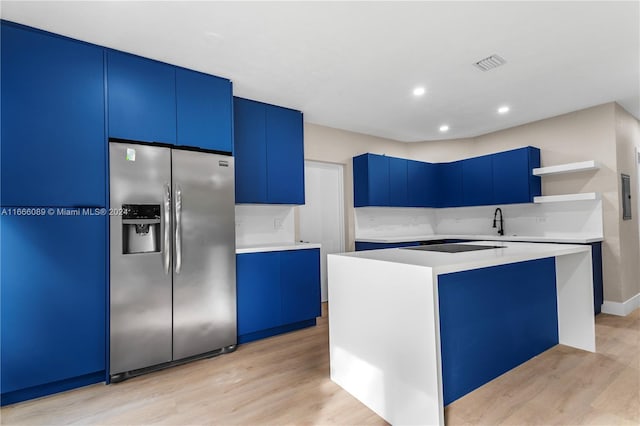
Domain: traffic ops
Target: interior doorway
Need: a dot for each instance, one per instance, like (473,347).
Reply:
(322,217)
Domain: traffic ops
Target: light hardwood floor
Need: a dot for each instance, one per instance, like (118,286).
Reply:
(285,380)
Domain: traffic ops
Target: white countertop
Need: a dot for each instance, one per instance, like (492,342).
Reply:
(276,247)
(571,239)
(442,263)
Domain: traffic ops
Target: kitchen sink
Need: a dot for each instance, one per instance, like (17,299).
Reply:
(451,248)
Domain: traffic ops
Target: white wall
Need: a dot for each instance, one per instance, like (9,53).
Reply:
(371,222)
(580,219)
(264,224)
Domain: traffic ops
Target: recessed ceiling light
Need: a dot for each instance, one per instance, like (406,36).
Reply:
(503,110)
(419,91)
(444,128)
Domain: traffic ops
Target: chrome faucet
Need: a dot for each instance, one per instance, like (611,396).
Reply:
(495,214)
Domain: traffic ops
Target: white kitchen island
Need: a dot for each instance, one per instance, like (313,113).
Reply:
(403,321)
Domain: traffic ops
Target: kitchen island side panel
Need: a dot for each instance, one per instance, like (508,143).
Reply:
(494,319)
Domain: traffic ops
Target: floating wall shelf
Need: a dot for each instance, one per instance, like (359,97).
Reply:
(567,197)
(567,168)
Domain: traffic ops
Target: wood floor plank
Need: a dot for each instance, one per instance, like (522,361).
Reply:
(284,380)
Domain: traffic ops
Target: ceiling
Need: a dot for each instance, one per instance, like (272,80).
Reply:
(354,65)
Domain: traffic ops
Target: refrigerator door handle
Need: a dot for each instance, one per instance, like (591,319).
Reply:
(167,228)
(178,236)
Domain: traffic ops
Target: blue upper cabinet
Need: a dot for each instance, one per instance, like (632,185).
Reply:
(269,151)
(203,107)
(449,182)
(142,98)
(477,181)
(52,313)
(250,151)
(502,178)
(53,141)
(285,156)
(370,180)
(422,184)
(398,182)
(513,179)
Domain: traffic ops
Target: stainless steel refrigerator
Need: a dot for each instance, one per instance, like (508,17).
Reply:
(172,257)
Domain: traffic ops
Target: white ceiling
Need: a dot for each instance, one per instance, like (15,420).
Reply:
(353,65)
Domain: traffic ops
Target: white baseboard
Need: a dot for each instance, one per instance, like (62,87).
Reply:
(621,309)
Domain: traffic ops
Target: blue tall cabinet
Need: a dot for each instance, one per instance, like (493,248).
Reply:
(52,313)
(52,120)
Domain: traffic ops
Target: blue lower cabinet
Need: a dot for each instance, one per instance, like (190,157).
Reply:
(258,291)
(479,343)
(300,274)
(52,311)
(362,246)
(277,292)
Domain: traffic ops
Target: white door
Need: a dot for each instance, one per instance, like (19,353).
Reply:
(322,216)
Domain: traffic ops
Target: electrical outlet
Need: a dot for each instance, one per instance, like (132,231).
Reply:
(277,224)
(541,219)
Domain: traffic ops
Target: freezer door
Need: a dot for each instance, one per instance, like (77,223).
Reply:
(204,278)
(140,265)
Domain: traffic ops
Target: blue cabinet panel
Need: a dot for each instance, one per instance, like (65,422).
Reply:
(477,181)
(371,180)
(142,98)
(535,182)
(513,181)
(277,292)
(492,320)
(250,151)
(362,246)
(285,156)
(422,184)
(378,180)
(449,176)
(258,291)
(269,151)
(203,108)
(300,274)
(596,265)
(53,299)
(398,183)
(53,141)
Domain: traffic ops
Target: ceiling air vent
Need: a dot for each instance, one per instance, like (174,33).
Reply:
(493,61)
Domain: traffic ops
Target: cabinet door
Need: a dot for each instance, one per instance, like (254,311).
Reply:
(258,291)
(142,98)
(477,181)
(203,107)
(53,299)
(422,184)
(450,179)
(398,182)
(378,177)
(511,177)
(53,143)
(250,151)
(285,156)
(300,278)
